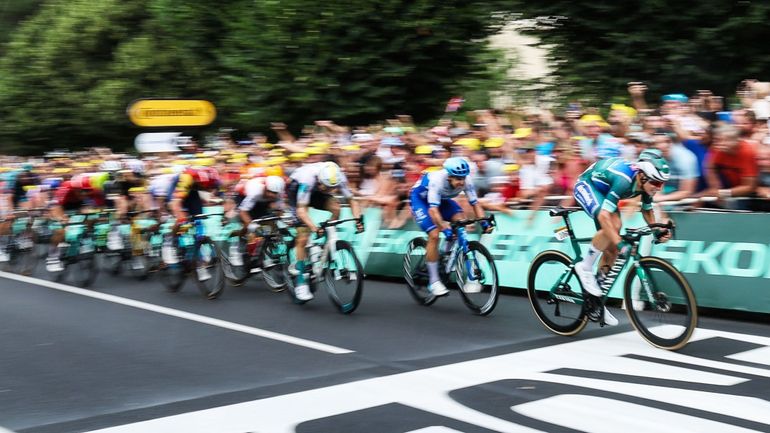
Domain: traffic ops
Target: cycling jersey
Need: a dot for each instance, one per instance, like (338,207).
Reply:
(14,183)
(434,187)
(254,201)
(184,187)
(71,198)
(306,180)
(433,190)
(605,183)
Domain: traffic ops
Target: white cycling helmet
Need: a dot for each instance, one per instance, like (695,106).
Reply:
(654,166)
(110,166)
(330,175)
(274,184)
(135,165)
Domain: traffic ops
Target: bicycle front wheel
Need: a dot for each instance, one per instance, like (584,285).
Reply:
(344,277)
(208,269)
(556,294)
(416,272)
(660,304)
(481,265)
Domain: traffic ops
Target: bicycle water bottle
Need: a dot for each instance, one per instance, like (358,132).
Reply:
(315,258)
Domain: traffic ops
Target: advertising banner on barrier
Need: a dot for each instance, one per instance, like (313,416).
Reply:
(725,257)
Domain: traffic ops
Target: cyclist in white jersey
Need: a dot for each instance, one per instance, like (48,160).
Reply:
(314,185)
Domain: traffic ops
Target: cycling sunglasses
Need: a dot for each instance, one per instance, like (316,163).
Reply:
(653,182)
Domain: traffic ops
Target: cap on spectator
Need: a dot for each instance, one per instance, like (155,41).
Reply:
(266,145)
(313,150)
(639,137)
(494,142)
(425,149)
(274,170)
(320,144)
(276,161)
(675,97)
(351,148)
(297,156)
(522,132)
(276,152)
(591,118)
(391,141)
(359,138)
(628,111)
(470,143)
(507,168)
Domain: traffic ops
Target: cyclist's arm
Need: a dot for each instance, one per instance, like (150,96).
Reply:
(177,210)
(304,217)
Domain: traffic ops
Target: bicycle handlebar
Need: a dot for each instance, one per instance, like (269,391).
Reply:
(332,223)
(461,223)
(633,235)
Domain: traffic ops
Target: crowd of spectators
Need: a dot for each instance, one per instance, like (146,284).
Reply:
(519,158)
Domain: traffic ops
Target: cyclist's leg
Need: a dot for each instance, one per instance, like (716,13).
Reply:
(591,201)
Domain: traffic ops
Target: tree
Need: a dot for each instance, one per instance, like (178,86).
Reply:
(597,47)
(74,67)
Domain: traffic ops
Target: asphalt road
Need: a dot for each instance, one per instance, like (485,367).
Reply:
(129,353)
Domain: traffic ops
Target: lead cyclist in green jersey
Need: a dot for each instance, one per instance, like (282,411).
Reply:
(598,191)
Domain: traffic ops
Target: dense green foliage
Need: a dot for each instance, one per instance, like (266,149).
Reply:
(70,71)
(597,47)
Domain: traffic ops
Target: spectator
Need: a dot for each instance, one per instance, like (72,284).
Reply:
(684,169)
(763,181)
(731,165)
(597,144)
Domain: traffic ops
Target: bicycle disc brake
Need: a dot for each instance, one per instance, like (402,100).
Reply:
(662,304)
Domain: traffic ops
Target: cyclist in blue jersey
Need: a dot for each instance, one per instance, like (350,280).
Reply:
(598,191)
(432,206)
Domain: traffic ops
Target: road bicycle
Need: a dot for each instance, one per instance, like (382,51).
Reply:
(133,247)
(20,246)
(265,253)
(78,251)
(188,250)
(459,258)
(658,300)
(333,263)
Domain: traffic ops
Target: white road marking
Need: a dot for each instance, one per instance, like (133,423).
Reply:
(757,356)
(180,314)
(429,390)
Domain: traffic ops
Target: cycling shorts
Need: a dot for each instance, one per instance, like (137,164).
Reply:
(589,199)
(448,208)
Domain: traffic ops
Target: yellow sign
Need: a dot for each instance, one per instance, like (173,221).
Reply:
(171,112)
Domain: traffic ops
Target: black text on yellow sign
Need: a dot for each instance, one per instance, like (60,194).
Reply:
(171,112)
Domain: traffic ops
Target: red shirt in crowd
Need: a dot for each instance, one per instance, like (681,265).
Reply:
(732,167)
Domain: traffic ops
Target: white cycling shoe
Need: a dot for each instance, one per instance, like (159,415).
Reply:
(438,288)
(303,293)
(609,319)
(472,286)
(587,279)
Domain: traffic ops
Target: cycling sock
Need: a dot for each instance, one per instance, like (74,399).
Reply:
(591,255)
(331,233)
(432,272)
(301,269)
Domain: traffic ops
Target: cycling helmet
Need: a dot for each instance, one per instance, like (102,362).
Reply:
(81,182)
(135,165)
(274,184)
(330,174)
(457,167)
(110,166)
(654,166)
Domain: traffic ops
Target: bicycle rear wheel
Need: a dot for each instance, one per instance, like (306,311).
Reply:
(83,270)
(482,264)
(207,256)
(273,262)
(555,293)
(344,278)
(416,272)
(667,314)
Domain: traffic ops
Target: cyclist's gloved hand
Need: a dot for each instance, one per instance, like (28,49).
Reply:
(359,226)
(447,233)
(661,235)
(252,228)
(486,226)
(320,232)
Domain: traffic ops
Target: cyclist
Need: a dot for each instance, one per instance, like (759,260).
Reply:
(14,190)
(184,198)
(598,191)
(432,206)
(71,197)
(262,195)
(314,185)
